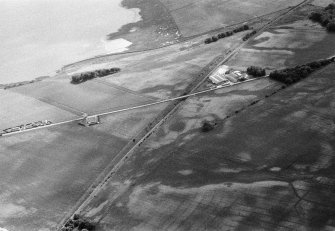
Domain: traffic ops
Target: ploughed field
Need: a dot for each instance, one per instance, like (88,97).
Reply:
(268,165)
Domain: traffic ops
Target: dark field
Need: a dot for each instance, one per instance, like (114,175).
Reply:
(268,167)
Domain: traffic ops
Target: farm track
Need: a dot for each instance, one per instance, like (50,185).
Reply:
(94,190)
(124,89)
(62,106)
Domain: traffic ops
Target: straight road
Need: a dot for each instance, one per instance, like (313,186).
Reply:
(134,107)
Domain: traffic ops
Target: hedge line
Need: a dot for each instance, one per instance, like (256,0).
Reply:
(249,35)
(93,74)
(256,71)
(226,34)
(295,74)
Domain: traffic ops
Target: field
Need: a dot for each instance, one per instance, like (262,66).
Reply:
(17,109)
(267,165)
(49,170)
(168,22)
(295,40)
(44,173)
(161,73)
(196,17)
(89,97)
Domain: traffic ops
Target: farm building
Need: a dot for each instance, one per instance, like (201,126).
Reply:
(89,121)
(219,76)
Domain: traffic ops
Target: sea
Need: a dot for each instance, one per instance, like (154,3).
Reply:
(38,37)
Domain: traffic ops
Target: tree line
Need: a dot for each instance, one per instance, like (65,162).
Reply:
(256,71)
(326,17)
(82,77)
(226,34)
(249,35)
(78,223)
(295,74)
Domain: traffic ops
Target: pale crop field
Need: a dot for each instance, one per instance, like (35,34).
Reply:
(89,97)
(17,109)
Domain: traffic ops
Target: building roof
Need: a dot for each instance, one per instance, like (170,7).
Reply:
(217,79)
(219,75)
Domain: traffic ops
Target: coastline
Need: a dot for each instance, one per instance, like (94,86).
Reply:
(22,83)
(155,29)
(64,54)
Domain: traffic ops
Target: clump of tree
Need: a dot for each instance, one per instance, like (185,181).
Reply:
(256,71)
(78,223)
(249,35)
(207,126)
(295,74)
(226,34)
(326,17)
(82,77)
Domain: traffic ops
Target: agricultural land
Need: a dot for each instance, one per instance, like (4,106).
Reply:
(267,163)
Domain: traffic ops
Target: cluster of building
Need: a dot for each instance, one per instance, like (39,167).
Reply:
(226,75)
(26,126)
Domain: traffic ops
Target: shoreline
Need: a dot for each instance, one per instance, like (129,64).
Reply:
(109,47)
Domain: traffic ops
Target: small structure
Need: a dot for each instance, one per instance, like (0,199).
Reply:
(237,73)
(89,120)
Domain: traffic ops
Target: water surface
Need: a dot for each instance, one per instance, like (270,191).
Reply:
(40,36)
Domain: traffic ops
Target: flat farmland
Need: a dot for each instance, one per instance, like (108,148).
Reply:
(45,172)
(161,73)
(17,109)
(89,97)
(269,166)
(196,17)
